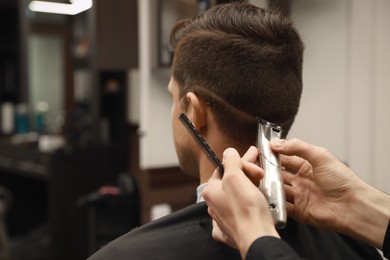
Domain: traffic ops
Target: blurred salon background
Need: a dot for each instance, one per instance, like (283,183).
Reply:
(86,149)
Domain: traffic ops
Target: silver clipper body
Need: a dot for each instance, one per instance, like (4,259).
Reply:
(272,184)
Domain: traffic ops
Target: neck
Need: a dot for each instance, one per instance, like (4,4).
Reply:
(206,166)
(206,170)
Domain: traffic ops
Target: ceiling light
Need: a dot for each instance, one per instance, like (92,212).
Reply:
(74,7)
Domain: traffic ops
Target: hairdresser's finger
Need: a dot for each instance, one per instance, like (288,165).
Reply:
(211,212)
(314,154)
(252,155)
(216,232)
(216,175)
(288,177)
(290,209)
(250,167)
(213,190)
(289,193)
(292,146)
(292,163)
(231,161)
(234,179)
(219,235)
(253,172)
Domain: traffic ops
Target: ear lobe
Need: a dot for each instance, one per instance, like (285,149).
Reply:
(196,110)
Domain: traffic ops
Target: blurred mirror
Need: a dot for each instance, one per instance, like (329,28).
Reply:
(46,79)
(48,68)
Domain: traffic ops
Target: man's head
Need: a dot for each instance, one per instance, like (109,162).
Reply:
(243,62)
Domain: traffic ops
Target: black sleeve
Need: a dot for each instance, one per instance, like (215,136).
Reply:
(265,248)
(386,243)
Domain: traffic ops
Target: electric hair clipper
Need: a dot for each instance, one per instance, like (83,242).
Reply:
(272,184)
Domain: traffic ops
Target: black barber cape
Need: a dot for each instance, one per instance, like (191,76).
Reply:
(265,248)
(186,234)
(386,242)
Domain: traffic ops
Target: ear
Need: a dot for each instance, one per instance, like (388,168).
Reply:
(196,110)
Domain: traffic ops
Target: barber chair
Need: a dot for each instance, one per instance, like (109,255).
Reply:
(112,211)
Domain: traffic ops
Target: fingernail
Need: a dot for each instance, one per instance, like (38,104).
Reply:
(228,152)
(277,143)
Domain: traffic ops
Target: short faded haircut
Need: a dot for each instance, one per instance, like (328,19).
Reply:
(242,60)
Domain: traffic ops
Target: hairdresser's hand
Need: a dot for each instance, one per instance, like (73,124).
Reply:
(319,187)
(324,192)
(236,204)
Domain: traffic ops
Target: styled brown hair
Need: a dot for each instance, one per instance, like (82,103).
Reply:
(245,62)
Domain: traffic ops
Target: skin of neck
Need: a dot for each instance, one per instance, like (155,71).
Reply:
(216,140)
(202,117)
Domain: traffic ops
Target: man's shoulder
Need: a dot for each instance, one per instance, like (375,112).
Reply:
(194,215)
(183,234)
(186,234)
